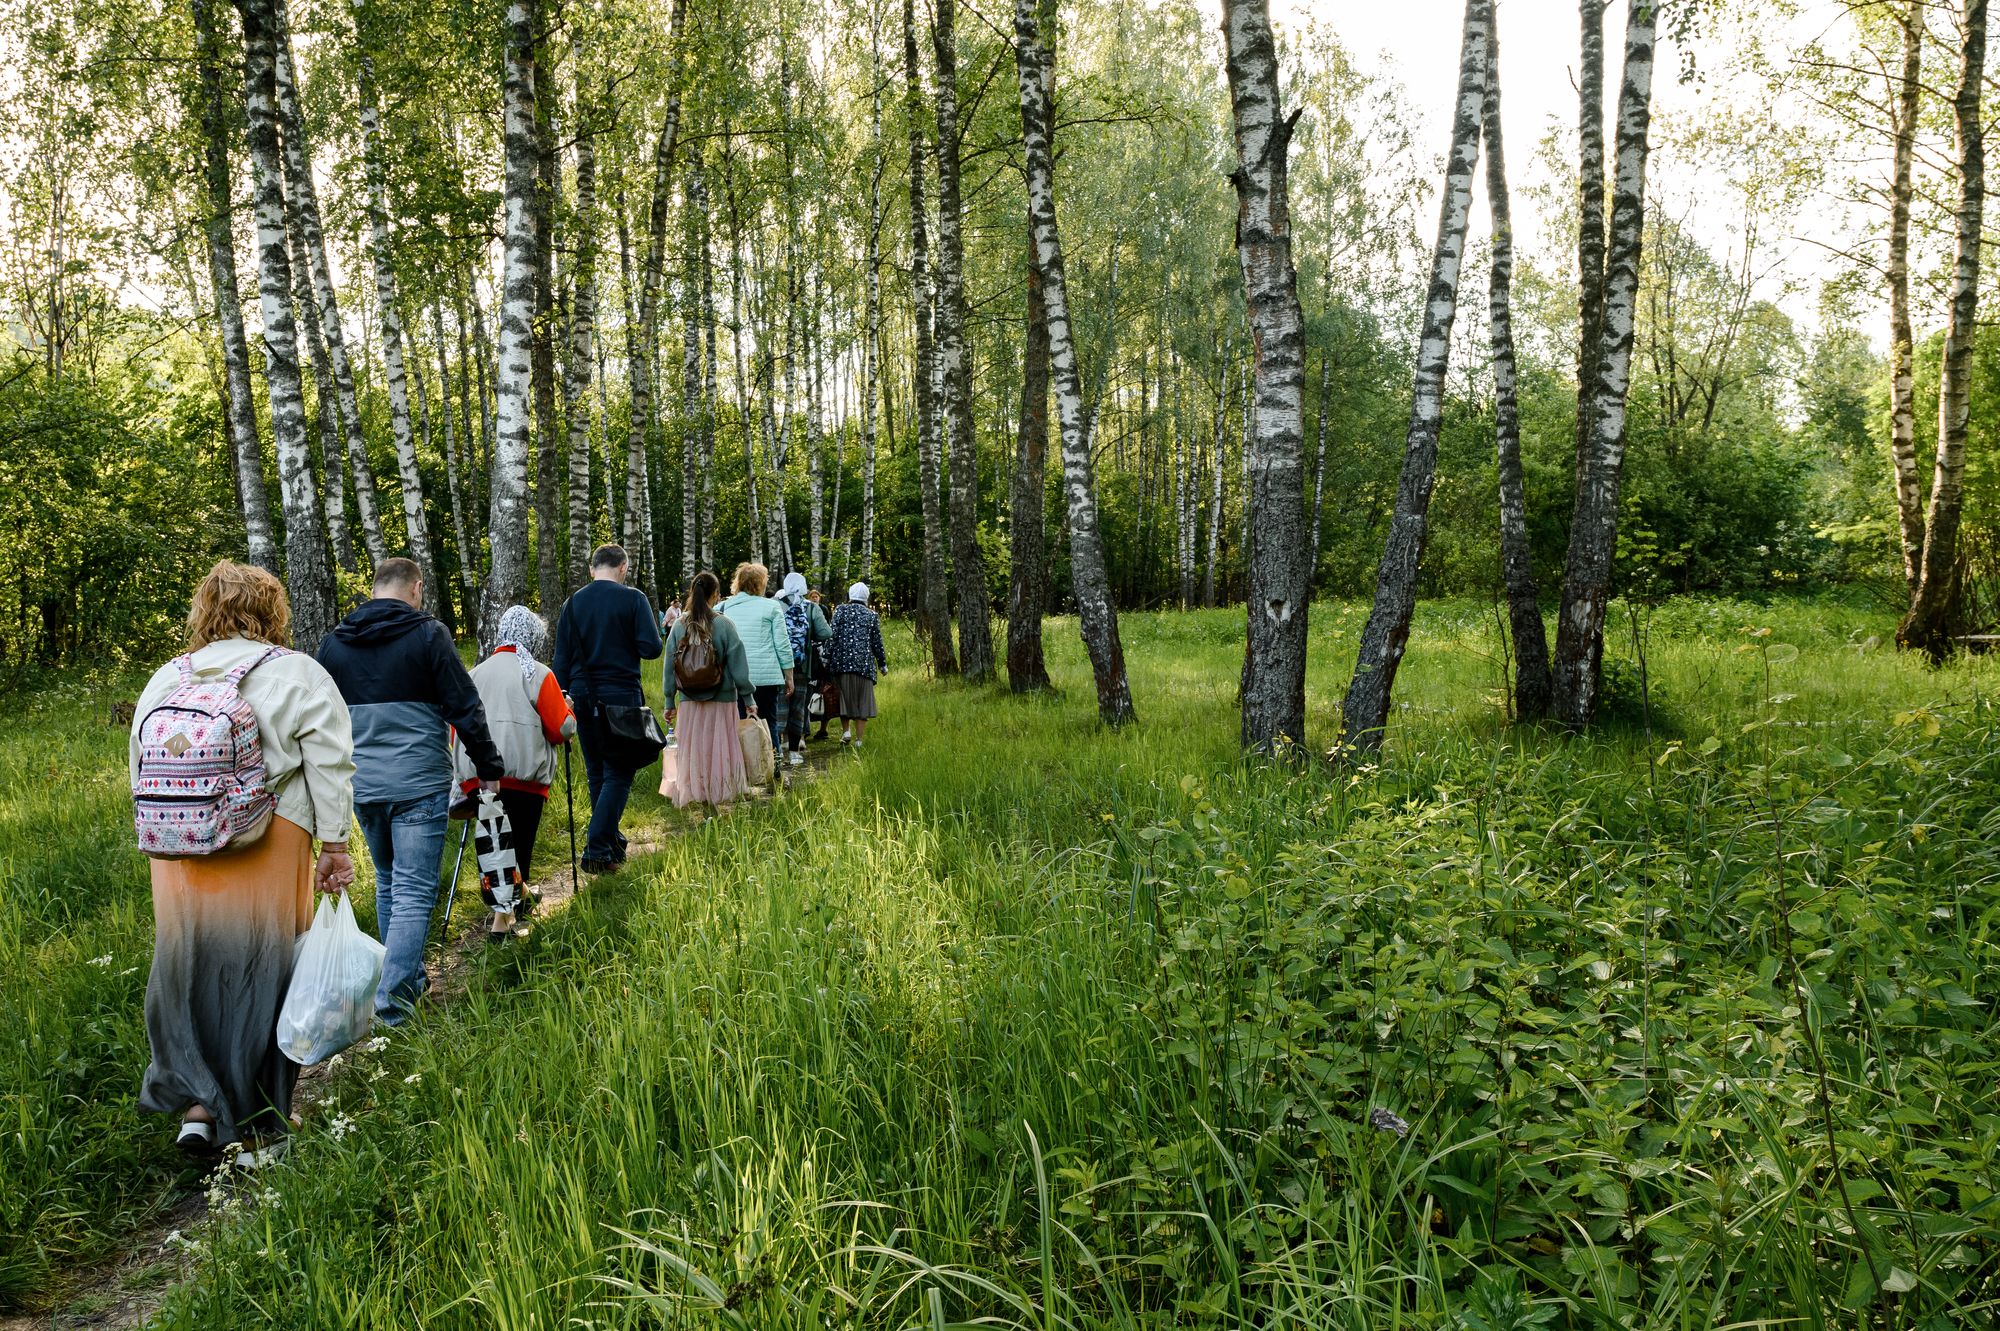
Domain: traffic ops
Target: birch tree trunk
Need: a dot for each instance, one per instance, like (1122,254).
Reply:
(968,563)
(1027,670)
(1593,538)
(693,407)
(302,196)
(872,315)
(506,581)
(1929,625)
(936,610)
(1902,342)
(389,298)
(468,546)
(1365,713)
(550,445)
(308,579)
(332,453)
(240,409)
(1279,564)
(1590,215)
(1524,612)
(1097,614)
(634,525)
(582,331)
(1215,469)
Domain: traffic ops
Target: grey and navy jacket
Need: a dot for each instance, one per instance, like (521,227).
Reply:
(407,691)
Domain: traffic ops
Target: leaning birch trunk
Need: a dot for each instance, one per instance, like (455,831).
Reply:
(389,299)
(1590,216)
(1365,712)
(506,581)
(935,610)
(333,466)
(872,317)
(1027,670)
(1097,614)
(1279,573)
(302,196)
(252,501)
(1593,534)
(582,331)
(1928,626)
(1902,350)
(468,555)
(632,529)
(968,563)
(1524,612)
(308,579)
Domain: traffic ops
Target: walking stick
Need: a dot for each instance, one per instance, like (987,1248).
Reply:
(458,863)
(569,802)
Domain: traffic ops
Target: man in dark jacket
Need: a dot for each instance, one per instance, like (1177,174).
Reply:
(606,629)
(406,690)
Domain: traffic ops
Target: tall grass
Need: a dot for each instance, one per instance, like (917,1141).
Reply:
(1018,1019)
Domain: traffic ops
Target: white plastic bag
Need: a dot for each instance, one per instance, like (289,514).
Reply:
(331,1001)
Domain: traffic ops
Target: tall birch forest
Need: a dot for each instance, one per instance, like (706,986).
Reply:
(1048,314)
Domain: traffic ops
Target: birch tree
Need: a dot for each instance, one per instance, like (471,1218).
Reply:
(219,207)
(1593,532)
(1902,343)
(968,564)
(1279,568)
(302,196)
(1365,713)
(1590,214)
(308,579)
(388,299)
(582,333)
(871,351)
(936,611)
(506,581)
(1096,613)
(468,552)
(693,407)
(1027,670)
(1934,609)
(1524,611)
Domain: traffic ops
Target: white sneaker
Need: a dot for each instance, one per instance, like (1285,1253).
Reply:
(797,759)
(847,737)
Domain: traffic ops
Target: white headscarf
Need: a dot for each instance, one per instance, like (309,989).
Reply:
(794,589)
(523,630)
(858,592)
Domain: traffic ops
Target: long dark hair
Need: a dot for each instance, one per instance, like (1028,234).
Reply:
(700,604)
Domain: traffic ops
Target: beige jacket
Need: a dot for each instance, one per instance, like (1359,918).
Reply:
(528,718)
(301,720)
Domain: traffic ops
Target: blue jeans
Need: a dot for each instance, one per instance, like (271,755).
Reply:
(610,783)
(406,841)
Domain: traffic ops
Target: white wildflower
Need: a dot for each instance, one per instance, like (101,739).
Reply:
(104,960)
(375,1045)
(415,1078)
(341,1126)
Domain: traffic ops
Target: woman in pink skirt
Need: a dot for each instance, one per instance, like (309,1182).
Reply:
(708,674)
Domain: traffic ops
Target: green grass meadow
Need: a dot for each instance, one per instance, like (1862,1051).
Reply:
(1016,1021)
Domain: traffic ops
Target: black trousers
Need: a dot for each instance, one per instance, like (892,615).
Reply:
(524,812)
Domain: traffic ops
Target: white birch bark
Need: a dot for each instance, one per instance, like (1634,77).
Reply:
(240,411)
(872,315)
(582,333)
(302,196)
(1279,569)
(506,582)
(308,579)
(1902,343)
(1096,612)
(1594,521)
(1365,713)
(693,406)
(388,298)
(936,611)
(1934,609)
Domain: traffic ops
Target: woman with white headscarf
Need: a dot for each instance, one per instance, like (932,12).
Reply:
(806,624)
(530,721)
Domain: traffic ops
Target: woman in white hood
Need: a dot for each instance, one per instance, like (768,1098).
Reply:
(806,624)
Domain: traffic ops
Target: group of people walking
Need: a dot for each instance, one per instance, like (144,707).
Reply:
(243,754)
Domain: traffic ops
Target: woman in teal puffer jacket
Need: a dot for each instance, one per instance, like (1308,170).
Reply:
(768,643)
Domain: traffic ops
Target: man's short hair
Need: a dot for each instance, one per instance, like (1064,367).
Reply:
(397,575)
(609,556)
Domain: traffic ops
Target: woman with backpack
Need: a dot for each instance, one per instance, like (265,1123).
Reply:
(263,733)
(708,678)
(805,625)
(767,645)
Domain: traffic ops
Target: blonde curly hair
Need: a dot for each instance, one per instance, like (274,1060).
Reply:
(239,601)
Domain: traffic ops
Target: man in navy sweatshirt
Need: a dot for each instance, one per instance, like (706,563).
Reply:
(605,631)
(406,690)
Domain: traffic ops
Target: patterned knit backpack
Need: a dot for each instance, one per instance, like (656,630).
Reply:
(200,788)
